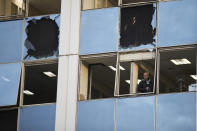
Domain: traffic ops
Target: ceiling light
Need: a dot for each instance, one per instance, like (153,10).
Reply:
(138,81)
(28,92)
(180,61)
(121,68)
(114,69)
(49,74)
(127,81)
(194,77)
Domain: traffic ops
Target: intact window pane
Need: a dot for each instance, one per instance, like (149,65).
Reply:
(135,114)
(44,7)
(176,112)
(177,23)
(97,115)
(8,120)
(138,27)
(41,37)
(40,84)
(11,9)
(37,118)
(137,73)
(11,40)
(93,4)
(97,78)
(177,70)
(9,83)
(99,31)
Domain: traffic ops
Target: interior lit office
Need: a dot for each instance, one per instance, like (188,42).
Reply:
(120,41)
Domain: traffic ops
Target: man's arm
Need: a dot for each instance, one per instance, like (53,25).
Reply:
(140,87)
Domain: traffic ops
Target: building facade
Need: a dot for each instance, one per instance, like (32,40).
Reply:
(71,65)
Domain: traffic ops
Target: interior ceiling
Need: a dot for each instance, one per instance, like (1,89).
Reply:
(172,72)
(46,6)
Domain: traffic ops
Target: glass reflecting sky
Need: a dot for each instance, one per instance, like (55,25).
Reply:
(9,83)
(11,40)
(177,23)
(176,112)
(99,31)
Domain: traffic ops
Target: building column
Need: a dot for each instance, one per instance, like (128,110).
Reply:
(66,105)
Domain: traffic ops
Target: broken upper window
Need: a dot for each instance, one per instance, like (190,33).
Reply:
(127,2)
(97,77)
(11,41)
(8,120)
(40,84)
(177,70)
(177,23)
(94,4)
(138,27)
(11,9)
(136,73)
(9,83)
(43,7)
(99,31)
(42,37)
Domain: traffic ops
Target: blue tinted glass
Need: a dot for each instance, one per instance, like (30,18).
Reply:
(96,115)
(135,114)
(176,112)
(41,37)
(99,31)
(138,27)
(9,83)
(11,40)
(177,23)
(38,118)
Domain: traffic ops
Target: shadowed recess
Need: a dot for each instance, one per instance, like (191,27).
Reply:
(42,37)
(136,26)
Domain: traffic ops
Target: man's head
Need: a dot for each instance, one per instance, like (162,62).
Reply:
(146,75)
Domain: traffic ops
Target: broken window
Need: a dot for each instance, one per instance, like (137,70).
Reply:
(127,2)
(136,73)
(10,9)
(99,31)
(177,70)
(9,83)
(138,27)
(97,77)
(40,83)
(8,120)
(43,7)
(37,118)
(42,37)
(177,23)
(11,41)
(94,4)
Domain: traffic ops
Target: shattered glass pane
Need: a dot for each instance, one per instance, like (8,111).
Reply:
(138,27)
(42,37)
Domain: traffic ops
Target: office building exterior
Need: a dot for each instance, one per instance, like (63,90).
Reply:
(71,65)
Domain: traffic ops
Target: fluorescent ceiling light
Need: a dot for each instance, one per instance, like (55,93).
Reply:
(180,61)
(127,81)
(49,74)
(138,81)
(27,92)
(114,69)
(194,77)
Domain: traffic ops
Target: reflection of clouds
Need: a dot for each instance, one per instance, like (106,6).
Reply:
(176,112)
